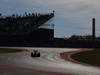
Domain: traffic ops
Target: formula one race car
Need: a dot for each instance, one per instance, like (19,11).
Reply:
(35,53)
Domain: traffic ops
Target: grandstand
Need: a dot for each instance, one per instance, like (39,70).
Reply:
(26,29)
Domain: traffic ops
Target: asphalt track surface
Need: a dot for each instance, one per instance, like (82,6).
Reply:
(50,63)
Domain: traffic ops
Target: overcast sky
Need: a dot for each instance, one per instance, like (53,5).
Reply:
(71,16)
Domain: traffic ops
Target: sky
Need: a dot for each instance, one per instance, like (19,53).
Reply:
(72,17)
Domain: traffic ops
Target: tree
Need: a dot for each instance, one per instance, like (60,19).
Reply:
(25,13)
(13,15)
(0,14)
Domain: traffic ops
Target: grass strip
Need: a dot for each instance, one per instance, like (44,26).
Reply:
(9,50)
(90,57)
